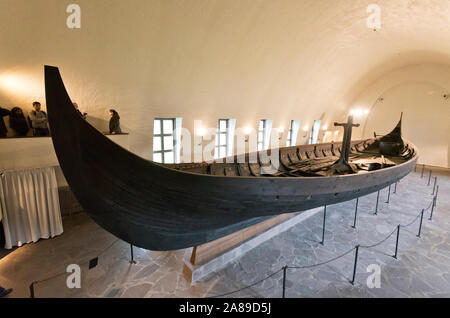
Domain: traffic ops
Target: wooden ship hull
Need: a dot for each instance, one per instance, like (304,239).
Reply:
(168,207)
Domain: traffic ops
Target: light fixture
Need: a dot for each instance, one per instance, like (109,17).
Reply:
(17,83)
(248,130)
(10,82)
(358,112)
(200,131)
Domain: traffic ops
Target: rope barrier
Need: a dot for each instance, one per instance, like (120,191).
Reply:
(287,267)
(284,268)
(49,278)
(417,217)
(63,273)
(429,206)
(382,241)
(323,263)
(408,231)
(260,281)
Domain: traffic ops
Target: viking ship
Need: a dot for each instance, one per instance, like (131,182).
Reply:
(167,207)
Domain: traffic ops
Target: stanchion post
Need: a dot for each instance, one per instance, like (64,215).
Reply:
(423,169)
(436,196)
(389,194)
(429,178)
(434,185)
(356,212)
(378,198)
(284,280)
(354,266)
(323,227)
(432,208)
(132,261)
(396,242)
(32,290)
(420,226)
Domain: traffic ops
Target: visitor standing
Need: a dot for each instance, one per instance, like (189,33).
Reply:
(18,123)
(114,123)
(39,121)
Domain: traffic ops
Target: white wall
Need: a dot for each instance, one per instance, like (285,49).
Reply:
(417,91)
(25,153)
(211,59)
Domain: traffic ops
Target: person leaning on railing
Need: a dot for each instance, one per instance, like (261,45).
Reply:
(18,122)
(39,121)
(3,113)
(114,123)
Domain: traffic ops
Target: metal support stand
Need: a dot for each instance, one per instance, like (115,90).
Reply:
(389,194)
(32,290)
(284,281)
(378,198)
(423,169)
(420,226)
(356,212)
(429,178)
(132,261)
(396,242)
(395,188)
(323,227)
(354,267)
(434,185)
(432,208)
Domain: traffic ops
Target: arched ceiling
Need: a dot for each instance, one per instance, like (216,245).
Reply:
(283,59)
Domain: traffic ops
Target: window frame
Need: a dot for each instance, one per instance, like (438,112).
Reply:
(291,139)
(161,135)
(218,146)
(289,136)
(314,137)
(263,131)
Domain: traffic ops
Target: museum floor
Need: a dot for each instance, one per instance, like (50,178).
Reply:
(421,270)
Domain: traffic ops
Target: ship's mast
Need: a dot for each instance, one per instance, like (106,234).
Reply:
(342,166)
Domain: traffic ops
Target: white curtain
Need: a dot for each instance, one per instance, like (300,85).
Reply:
(29,206)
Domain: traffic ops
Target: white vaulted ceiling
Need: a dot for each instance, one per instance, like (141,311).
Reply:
(205,59)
